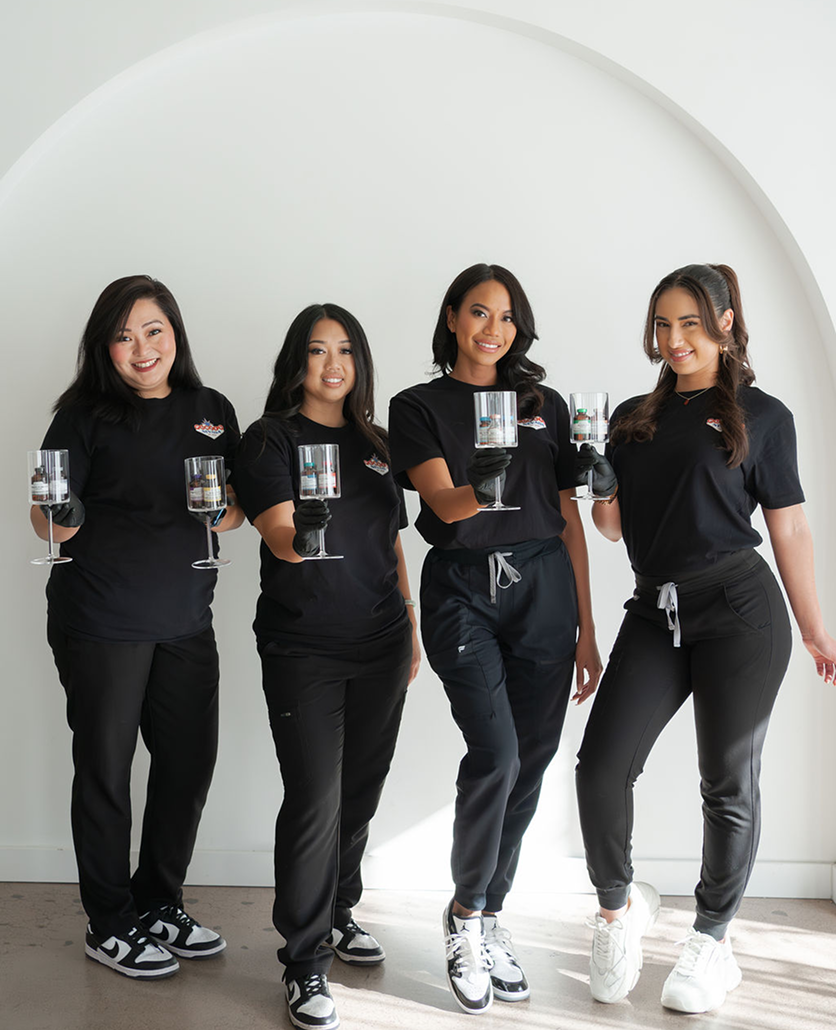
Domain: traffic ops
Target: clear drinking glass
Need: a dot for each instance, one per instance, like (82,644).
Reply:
(495,413)
(49,484)
(590,414)
(319,479)
(206,494)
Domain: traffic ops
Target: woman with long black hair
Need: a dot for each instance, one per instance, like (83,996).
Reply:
(130,622)
(506,652)
(337,641)
(690,462)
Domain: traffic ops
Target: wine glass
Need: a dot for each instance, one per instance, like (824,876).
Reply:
(590,424)
(49,484)
(495,414)
(319,479)
(206,494)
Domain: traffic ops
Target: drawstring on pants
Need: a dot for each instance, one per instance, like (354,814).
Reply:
(668,601)
(496,566)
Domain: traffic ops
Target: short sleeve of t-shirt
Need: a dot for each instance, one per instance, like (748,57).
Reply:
(771,470)
(265,467)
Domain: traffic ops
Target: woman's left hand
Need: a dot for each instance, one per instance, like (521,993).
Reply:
(588,665)
(823,649)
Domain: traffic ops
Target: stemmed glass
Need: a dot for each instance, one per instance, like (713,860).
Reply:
(496,426)
(590,424)
(319,479)
(49,484)
(206,495)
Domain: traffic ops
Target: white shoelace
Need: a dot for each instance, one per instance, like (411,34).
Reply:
(468,954)
(696,955)
(669,601)
(496,566)
(602,942)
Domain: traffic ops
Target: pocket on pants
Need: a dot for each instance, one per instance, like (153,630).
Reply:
(747,599)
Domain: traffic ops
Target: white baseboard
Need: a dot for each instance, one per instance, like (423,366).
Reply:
(557,876)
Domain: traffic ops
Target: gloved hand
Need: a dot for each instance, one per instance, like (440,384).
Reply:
(308,518)
(483,467)
(213,517)
(604,480)
(70,514)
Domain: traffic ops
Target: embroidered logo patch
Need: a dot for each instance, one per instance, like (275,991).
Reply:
(532,423)
(715,423)
(377,465)
(206,427)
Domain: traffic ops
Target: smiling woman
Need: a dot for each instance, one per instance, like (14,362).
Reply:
(130,624)
(144,350)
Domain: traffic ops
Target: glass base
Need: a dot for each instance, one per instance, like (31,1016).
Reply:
(56,559)
(211,563)
(322,557)
(501,507)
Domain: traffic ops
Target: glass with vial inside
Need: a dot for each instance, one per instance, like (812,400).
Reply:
(590,414)
(49,486)
(319,479)
(206,497)
(495,413)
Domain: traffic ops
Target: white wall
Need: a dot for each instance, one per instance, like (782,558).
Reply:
(326,152)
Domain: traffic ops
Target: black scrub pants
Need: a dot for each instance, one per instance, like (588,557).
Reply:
(736,643)
(169,692)
(507,668)
(335,721)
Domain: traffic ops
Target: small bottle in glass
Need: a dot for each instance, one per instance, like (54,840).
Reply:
(206,496)
(319,480)
(495,413)
(590,414)
(49,485)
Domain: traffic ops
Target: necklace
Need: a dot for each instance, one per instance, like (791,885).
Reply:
(687,400)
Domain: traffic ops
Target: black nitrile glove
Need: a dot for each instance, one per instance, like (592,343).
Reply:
(70,514)
(213,517)
(604,480)
(308,518)
(483,467)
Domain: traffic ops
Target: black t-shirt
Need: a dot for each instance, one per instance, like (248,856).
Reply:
(682,508)
(320,605)
(131,576)
(436,420)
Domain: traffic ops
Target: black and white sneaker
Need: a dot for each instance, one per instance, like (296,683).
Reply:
(309,1003)
(132,953)
(507,977)
(181,934)
(355,945)
(468,963)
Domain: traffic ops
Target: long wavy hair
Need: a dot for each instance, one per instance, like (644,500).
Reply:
(514,370)
(715,290)
(287,393)
(97,386)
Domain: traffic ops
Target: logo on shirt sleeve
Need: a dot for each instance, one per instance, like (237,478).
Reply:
(532,423)
(715,423)
(207,429)
(377,465)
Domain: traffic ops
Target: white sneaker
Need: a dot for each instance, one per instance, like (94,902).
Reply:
(468,964)
(309,1003)
(616,959)
(705,972)
(507,978)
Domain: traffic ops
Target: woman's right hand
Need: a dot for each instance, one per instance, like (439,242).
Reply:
(604,480)
(484,467)
(309,517)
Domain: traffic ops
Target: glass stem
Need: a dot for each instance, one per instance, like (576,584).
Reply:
(321,532)
(589,482)
(49,528)
(497,489)
(209,554)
